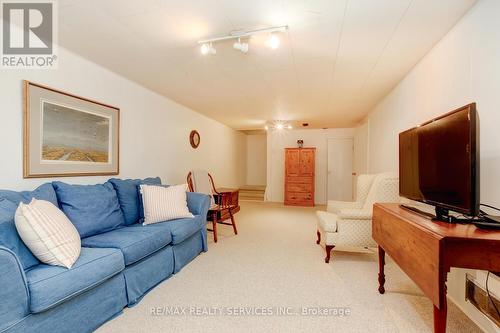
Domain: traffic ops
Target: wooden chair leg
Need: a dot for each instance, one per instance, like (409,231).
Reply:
(319,237)
(214,222)
(329,249)
(234,223)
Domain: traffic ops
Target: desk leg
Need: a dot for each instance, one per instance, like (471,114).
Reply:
(214,223)
(440,318)
(381,275)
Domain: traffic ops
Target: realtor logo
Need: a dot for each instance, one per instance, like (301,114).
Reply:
(28,31)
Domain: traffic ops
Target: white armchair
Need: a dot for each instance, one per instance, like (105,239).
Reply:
(349,223)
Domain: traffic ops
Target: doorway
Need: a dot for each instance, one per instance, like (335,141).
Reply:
(340,169)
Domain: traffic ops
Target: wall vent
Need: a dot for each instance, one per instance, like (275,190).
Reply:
(477,296)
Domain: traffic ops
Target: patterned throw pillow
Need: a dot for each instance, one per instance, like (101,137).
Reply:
(164,203)
(48,233)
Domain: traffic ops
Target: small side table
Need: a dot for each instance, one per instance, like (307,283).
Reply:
(226,205)
(234,193)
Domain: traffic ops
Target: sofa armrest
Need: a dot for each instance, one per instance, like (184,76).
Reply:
(14,294)
(355,214)
(336,206)
(198,203)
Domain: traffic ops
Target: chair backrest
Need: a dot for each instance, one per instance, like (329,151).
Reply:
(363,185)
(385,188)
(202,182)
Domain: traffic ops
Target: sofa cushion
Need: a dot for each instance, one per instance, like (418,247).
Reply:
(164,203)
(52,285)
(129,197)
(93,209)
(135,242)
(43,192)
(9,237)
(181,229)
(48,233)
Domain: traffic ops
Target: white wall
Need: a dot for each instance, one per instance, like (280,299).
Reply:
(277,141)
(256,159)
(464,67)
(361,148)
(154,138)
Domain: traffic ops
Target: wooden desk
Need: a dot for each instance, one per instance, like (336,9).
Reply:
(426,250)
(234,201)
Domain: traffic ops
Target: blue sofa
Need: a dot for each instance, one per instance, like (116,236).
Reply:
(121,260)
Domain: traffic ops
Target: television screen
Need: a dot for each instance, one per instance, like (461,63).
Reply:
(438,162)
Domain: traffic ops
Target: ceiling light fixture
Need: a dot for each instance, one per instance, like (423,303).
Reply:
(278,125)
(207,48)
(243,47)
(273,41)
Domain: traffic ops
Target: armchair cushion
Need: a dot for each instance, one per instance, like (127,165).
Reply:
(363,186)
(355,214)
(385,188)
(337,206)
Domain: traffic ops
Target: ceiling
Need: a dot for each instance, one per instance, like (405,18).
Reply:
(336,61)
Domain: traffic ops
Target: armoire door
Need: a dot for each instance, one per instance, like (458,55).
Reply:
(306,162)
(292,162)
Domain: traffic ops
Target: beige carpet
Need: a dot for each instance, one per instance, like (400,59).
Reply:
(274,264)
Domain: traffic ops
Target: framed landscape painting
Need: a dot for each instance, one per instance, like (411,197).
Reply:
(67,135)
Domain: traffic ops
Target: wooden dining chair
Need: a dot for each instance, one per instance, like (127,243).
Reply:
(224,203)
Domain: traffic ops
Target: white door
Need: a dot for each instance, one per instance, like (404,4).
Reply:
(340,169)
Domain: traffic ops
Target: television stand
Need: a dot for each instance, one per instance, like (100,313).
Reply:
(442,215)
(427,215)
(426,250)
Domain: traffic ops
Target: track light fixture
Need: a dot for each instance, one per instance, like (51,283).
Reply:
(243,47)
(273,41)
(207,48)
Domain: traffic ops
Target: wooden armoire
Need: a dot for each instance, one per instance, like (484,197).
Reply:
(299,176)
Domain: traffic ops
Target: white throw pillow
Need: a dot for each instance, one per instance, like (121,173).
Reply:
(48,233)
(164,203)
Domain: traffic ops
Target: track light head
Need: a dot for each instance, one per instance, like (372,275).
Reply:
(274,41)
(243,47)
(207,48)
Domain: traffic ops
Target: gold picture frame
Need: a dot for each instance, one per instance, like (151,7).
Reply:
(67,135)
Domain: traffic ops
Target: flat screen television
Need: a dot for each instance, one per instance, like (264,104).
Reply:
(439,163)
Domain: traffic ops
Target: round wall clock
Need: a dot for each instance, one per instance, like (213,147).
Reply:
(194,139)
